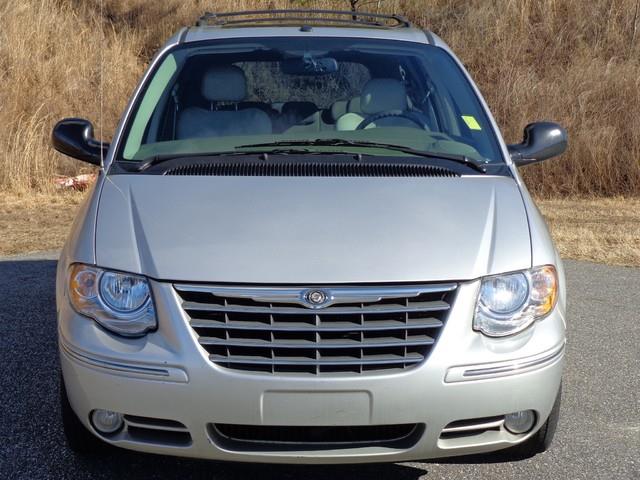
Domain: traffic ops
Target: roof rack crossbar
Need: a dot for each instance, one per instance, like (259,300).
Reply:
(304,16)
(304,20)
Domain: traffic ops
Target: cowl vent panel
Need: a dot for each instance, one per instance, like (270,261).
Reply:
(310,169)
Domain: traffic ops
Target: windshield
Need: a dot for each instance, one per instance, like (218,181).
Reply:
(227,95)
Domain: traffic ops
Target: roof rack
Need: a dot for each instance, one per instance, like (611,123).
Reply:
(302,17)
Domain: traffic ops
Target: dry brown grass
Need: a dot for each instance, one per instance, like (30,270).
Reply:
(572,61)
(35,221)
(599,230)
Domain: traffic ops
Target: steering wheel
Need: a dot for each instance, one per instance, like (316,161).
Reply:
(411,116)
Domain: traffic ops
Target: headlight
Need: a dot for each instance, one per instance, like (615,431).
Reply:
(508,304)
(120,302)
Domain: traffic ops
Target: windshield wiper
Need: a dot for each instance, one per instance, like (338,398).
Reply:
(273,149)
(338,142)
(157,159)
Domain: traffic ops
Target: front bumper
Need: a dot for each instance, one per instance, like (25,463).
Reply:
(166,375)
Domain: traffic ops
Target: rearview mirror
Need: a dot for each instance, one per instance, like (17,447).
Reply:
(74,137)
(309,65)
(542,140)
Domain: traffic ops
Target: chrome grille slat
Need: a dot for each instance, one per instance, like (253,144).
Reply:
(155,424)
(277,330)
(327,362)
(418,307)
(475,425)
(337,327)
(363,294)
(326,344)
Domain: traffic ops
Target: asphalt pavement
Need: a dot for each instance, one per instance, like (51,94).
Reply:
(598,436)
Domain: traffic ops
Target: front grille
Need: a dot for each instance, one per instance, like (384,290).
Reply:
(354,330)
(250,437)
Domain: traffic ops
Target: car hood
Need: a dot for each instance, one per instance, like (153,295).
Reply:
(311,230)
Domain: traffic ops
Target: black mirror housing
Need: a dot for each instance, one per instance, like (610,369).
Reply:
(542,140)
(74,137)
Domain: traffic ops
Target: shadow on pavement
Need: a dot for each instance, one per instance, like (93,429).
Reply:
(133,465)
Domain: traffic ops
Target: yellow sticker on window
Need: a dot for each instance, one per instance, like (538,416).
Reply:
(471,122)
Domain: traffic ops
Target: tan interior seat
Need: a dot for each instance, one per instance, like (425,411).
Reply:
(341,107)
(378,95)
(223,84)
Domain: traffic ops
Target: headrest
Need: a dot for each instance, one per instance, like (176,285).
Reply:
(224,84)
(382,95)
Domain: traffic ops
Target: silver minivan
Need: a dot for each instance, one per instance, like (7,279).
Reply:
(309,243)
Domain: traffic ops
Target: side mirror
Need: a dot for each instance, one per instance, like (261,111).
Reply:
(541,141)
(74,137)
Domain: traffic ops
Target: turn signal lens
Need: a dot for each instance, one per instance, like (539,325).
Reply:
(544,289)
(83,283)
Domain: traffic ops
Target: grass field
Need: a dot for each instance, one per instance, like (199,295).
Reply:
(606,231)
(572,61)
(600,230)
(35,221)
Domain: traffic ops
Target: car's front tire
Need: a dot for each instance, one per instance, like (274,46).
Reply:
(541,440)
(79,439)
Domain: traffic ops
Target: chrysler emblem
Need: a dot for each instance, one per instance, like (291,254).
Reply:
(316,298)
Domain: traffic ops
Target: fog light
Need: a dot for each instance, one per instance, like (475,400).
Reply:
(520,422)
(106,421)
